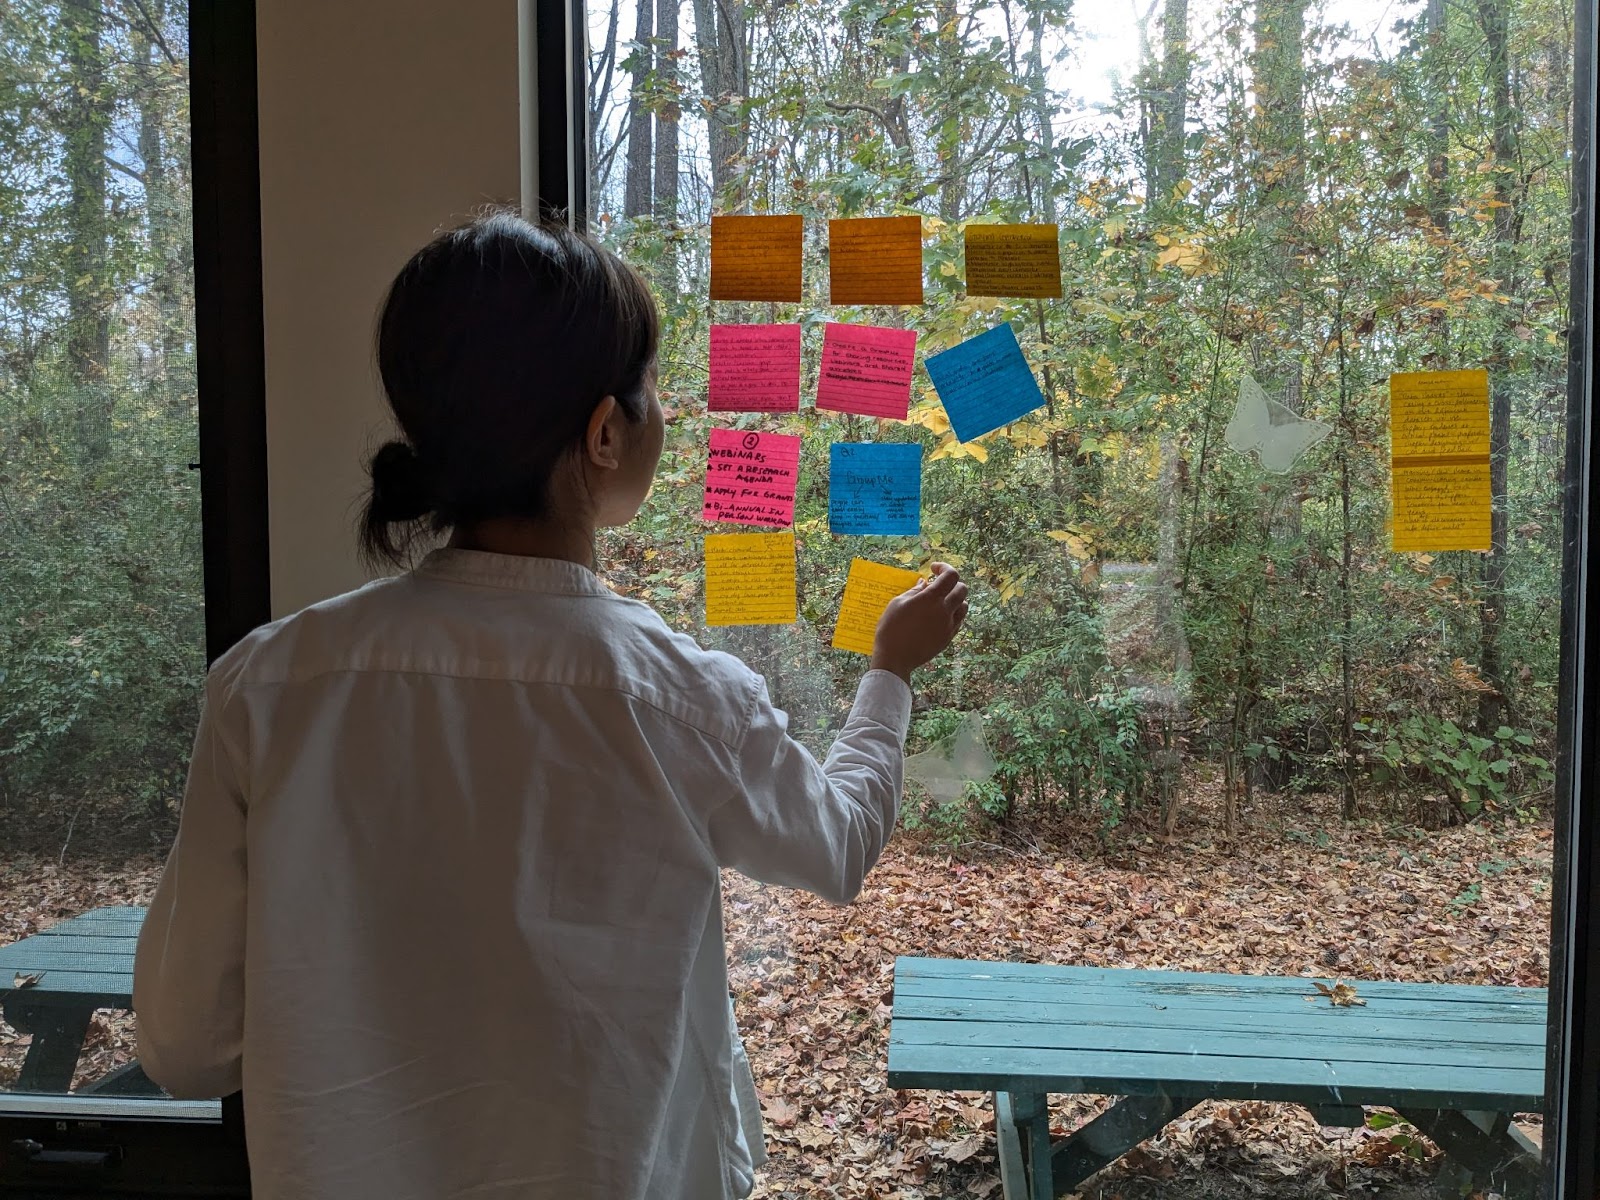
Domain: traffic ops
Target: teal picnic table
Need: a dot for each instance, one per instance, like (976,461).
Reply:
(1457,1060)
(52,983)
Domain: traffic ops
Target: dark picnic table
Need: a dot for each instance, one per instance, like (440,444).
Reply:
(82,964)
(1457,1060)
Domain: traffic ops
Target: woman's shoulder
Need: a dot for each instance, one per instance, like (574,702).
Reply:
(673,670)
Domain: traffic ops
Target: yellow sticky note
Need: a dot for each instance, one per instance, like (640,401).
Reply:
(750,579)
(1014,260)
(1439,459)
(755,258)
(867,592)
(875,260)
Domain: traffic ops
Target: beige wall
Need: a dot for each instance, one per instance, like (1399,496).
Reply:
(381,121)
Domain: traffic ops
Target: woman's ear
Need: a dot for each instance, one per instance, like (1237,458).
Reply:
(602,440)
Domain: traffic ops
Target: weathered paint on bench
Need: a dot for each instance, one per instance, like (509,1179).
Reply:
(1168,1040)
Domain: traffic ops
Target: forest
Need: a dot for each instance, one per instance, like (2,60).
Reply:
(1313,196)
(1310,195)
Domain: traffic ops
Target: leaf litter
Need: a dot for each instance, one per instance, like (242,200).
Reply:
(814,983)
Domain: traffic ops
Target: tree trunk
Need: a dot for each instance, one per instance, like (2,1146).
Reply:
(667,110)
(601,72)
(636,186)
(1043,113)
(163,216)
(1170,112)
(719,31)
(86,113)
(1278,70)
(1493,706)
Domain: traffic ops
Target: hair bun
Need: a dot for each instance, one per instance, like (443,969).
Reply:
(402,489)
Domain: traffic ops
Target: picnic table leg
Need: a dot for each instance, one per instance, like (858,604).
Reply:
(52,1057)
(1031,1111)
(1498,1154)
(1013,1174)
(1112,1134)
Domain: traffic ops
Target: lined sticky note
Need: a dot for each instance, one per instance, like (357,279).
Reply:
(866,369)
(984,383)
(867,591)
(750,579)
(1439,459)
(755,258)
(750,477)
(875,488)
(875,260)
(1014,260)
(754,368)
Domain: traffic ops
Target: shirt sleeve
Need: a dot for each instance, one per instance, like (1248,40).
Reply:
(817,826)
(188,976)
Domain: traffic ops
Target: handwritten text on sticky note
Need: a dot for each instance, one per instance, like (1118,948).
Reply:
(867,592)
(984,383)
(1014,260)
(875,488)
(750,477)
(755,258)
(866,369)
(754,368)
(875,260)
(750,579)
(1439,459)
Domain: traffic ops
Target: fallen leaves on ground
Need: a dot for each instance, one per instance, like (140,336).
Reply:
(1299,894)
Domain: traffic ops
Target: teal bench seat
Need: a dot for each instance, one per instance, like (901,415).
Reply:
(1457,1060)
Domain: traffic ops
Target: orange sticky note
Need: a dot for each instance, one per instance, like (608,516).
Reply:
(1439,460)
(750,579)
(867,591)
(1014,260)
(755,258)
(875,260)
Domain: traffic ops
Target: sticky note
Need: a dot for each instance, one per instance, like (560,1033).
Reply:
(875,487)
(755,258)
(866,369)
(1014,260)
(1439,459)
(750,579)
(984,383)
(867,591)
(875,260)
(754,368)
(750,477)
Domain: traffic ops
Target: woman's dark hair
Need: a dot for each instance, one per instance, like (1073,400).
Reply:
(495,343)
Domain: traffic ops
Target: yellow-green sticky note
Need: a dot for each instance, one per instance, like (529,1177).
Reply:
(1439,459)
(750,579)
(1014,260)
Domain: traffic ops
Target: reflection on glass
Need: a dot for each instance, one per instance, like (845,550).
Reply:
(101,637)
(1233,731)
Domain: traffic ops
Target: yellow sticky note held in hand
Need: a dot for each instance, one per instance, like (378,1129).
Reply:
(750,579)
(867,592)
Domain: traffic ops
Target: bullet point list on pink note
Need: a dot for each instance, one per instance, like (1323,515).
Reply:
(866,369)
(751,477)
(754,368)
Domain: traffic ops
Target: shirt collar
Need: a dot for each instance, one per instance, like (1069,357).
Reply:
(553,575)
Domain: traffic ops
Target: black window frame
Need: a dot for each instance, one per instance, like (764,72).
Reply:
(52,1145)
(237,583)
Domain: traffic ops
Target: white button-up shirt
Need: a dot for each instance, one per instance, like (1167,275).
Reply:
(444,899)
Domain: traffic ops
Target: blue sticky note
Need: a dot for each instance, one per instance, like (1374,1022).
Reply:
(875,487)
(984,383)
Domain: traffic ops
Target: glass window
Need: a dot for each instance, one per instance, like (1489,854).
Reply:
(1204,715)
(102,650)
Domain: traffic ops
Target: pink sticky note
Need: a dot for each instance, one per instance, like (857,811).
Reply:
(751,477)
(755,368)
(866,369)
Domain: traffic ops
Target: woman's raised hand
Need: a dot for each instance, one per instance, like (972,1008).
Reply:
(920,622)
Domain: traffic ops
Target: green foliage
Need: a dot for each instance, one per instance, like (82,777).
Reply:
(1501,771)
